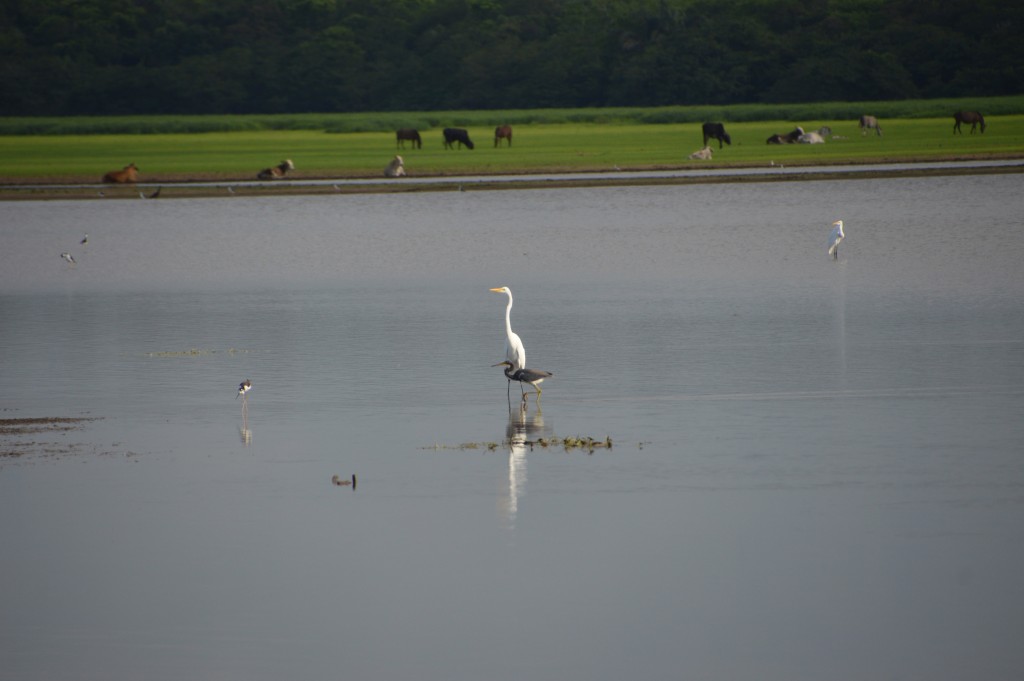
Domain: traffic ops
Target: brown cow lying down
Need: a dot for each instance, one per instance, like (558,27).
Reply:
(127,175)
(277,172)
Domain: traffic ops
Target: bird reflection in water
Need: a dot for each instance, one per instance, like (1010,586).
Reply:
(244,432)
(522,427)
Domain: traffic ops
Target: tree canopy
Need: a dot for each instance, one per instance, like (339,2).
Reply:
(74,57)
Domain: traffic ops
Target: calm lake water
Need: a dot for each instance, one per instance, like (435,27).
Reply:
(817,468)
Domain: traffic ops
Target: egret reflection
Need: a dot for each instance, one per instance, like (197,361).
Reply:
(522,427)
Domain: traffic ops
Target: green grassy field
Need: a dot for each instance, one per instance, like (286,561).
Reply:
(537,147)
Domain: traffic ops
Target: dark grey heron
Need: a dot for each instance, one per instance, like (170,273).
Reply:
(532,376)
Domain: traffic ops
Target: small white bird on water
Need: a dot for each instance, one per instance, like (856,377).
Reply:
(834,238)
(70,258)
(85,240)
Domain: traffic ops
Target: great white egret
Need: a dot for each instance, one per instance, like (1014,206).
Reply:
(834,238)
(532,376)
(514,350)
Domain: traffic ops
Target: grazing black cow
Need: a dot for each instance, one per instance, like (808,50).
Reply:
(453,135)
(972,117)
(410,134)
(716,131)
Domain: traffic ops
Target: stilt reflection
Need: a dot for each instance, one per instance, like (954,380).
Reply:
(244,433)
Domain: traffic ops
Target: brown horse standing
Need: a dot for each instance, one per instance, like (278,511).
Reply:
(868,123)
(410,134)
(972,117)
(503,132)
(127,175)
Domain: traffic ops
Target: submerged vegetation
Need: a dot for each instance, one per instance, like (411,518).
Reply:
(588,444)
(191,352)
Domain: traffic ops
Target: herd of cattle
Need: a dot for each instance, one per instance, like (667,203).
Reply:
(460,136)
(716,131)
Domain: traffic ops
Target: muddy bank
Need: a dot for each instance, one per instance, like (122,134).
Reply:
(49,439)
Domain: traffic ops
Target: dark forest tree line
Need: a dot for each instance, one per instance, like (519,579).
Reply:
(65,57)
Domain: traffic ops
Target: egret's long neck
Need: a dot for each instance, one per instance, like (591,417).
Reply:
(508,315)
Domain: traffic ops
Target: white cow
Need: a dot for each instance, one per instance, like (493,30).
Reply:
(396,168)
(702,155)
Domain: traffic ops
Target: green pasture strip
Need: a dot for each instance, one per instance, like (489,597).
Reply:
(389,121)
(536,148)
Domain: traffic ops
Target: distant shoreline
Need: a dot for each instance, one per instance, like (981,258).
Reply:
(73,188)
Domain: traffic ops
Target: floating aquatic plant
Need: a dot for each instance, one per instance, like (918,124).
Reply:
(193,352)
(567,443)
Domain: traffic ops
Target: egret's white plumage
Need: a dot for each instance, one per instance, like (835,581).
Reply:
(514,350)
(834,238)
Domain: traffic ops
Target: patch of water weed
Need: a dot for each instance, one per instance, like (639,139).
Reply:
(567,443)
(193,352)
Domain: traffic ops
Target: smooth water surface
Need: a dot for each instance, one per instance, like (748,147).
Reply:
(816,470)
